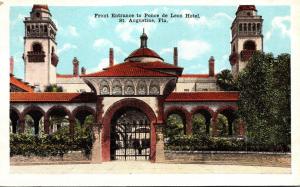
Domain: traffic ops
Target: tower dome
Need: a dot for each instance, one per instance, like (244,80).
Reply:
(143,54)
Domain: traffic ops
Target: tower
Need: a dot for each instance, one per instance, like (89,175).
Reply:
(247,37)
(40,47)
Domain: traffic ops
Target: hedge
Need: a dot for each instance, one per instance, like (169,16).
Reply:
(207,143)
(56,144)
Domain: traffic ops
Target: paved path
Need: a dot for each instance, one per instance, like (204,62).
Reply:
(115,167)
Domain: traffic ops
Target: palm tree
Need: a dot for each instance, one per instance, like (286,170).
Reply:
(225,80)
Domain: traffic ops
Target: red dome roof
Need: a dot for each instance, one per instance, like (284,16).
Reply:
(40,7)
(143,52)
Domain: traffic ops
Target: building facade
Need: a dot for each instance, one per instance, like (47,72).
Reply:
(130,101)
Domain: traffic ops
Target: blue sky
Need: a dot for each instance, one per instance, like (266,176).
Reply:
(81,35)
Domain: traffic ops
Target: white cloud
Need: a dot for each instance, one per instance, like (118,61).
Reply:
(104,63)
(128,31)
(66,47)
(211,22)
(105,44)
(191,49)
(166,50)
(72,30)
(279,23)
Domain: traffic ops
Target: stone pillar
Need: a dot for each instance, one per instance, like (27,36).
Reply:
(96,150)
(241,125)
(214,125)
(189,125)
(22,125)
(46,125)
(160,151)
(72,126)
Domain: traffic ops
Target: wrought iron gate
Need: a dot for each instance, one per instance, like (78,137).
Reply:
(130,137)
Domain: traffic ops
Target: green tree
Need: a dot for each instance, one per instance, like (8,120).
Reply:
(222,125)
(175,126)
(199,126)
(53,88)
(264,99)
(225,80)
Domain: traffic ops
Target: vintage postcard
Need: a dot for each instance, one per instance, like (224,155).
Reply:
(168,88)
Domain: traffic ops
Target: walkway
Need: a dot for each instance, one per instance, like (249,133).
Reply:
(118,167)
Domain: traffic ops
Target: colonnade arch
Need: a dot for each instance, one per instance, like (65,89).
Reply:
(36,120)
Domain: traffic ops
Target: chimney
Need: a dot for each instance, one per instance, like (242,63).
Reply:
(83,70)
(11,63)
(175,56)
(111,57)
(75,67)
(211,66)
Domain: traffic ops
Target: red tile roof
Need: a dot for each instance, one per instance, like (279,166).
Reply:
(158,65)
(246,7)
(20,84)
(143,52)
(52,97)
(202,96)
(40,7)
(128,69)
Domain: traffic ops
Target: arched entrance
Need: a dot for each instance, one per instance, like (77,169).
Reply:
(118,112)
(130,135)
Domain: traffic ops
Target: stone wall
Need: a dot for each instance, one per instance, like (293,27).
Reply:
(71,157)
(229,158)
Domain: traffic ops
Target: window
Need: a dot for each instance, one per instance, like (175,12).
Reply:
(186,90)
(240,27)
(37,48)
(249,45)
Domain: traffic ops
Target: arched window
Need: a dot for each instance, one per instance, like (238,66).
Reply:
(240,27)
(245,26)
(37,48)
(254,27)
(258,27)
(249,45)
(249,27)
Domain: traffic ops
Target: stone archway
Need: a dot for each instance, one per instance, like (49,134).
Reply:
(108,117)
(130,135)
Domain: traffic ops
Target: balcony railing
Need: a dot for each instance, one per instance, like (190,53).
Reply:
(245,33)
(246,54)
(36,56)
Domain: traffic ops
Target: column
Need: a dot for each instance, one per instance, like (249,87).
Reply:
(160,151)
(72,126)
(96,150)
(22,125)
(241,128)
(214,125)
(46,125)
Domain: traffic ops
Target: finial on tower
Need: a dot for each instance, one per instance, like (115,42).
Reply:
(144,38)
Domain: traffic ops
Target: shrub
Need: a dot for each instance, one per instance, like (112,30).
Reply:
(56,144)
(207,143)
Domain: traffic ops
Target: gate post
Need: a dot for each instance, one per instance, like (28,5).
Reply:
(160,151)
(96,150)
